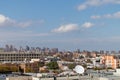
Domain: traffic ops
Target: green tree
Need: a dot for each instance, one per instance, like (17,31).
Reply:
(71,66)
(84,65)
(81,57)
(53,65)
(41,64)
(89,61)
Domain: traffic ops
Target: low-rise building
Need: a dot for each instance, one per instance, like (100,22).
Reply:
(16,57)
(109,61)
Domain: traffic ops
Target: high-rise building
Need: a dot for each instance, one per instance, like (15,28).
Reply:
(7,49)
(11,48)
(27,48)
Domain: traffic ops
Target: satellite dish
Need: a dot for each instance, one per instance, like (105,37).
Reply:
(79,69)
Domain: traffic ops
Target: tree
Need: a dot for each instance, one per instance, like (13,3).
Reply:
(81,57)
(28,70)
(8,68)
(84,65)
(41,64)
(89,61)
(71,66)
(53,65)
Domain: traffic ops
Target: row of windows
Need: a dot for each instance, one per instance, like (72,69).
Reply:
(9,60)
(20,54)
(16,59)
(20,57)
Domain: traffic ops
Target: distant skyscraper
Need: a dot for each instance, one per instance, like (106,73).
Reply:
(21,49)
(27,48)
(7,49)
(107,52)
(38,49)
(113,52)
(54,50)
(78,50)
(101,51)
(11,48)
(119,52)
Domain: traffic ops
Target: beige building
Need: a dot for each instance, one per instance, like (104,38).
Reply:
(110,61)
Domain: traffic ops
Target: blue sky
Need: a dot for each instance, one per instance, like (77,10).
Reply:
(67,25)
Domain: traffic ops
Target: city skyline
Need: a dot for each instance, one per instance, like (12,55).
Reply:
(69,25)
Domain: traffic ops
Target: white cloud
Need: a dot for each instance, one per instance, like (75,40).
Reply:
(3,19)
(87,25)
(72,27)
(66,28)
(23,24)
(6,21)
(96,17)
(92,3)
(82,7)
(114,15)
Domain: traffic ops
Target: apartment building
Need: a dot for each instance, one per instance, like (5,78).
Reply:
(16,57)
(109,61)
